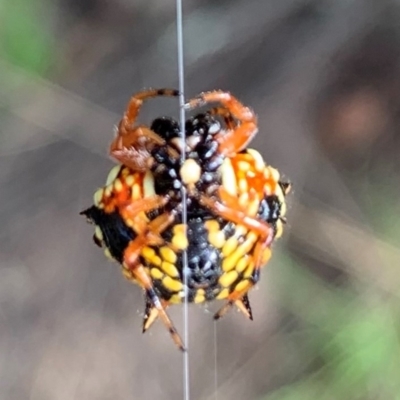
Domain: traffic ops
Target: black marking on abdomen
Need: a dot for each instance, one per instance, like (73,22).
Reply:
(116,234)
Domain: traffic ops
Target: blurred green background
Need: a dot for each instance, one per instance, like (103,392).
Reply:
(323,76)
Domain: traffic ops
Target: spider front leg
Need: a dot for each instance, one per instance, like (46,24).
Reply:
(131,263)
(230,141)
(136,102)
(133,144)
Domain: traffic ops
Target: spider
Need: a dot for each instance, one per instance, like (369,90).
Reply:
(235,206)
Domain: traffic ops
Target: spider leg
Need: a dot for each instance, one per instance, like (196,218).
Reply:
(232,140)
(230,122)
(239,297)
(136,102)
(132,264)
(242,303)
(231,210)
(133,144)
(130,210)
(132,147)
(240,300)
(244,306)
(234,214)
(150,313)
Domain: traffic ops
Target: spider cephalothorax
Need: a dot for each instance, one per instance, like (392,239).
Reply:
(235,206)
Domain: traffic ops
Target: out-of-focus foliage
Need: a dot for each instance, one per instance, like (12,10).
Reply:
(25,39)
(323,76)
(350,342)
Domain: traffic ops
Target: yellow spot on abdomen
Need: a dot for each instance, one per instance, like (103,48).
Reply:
(229,246)
(168,254)
(217,239)
(108,190)
(176,299)
(242,264)
(148,185)
(274,173)
(259,162)
(148,253)
(243,187)
(98,197)
(169,269)
(228,177)
(98,233)
(150,256)
(107,253)
(228,278)
(242,285)
(243,166)
(112,175)
(136,192)
(179,239)
(249,270)
(172,284)
(118,185)
(130,180)
(223,294)
(212,225)
(199,298)
(233,259)
(156,273)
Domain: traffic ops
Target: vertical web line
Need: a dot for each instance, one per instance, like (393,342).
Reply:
(215,363)
(182,119)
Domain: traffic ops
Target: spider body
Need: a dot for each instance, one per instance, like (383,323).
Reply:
(235,206)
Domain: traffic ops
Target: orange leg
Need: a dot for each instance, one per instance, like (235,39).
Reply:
(146,204)
(236,215)
(132,145)
(226,115)
(132,263)
(231,210)
(240,299)
(151,313)
(244,306)
(136,103)
(242,302)
(232,140)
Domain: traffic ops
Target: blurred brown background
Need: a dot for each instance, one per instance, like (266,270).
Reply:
(323,77)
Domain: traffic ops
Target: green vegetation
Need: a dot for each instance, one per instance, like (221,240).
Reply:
(24,37)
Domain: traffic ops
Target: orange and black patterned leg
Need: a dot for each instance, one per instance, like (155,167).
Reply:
(136,102)
(240,217)
(131,263)
(244,306)
(230,122)
(133,144)
(151,313)
(130,210)
(133,147)
(231,211)
(239,298)
(232,140)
